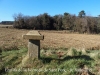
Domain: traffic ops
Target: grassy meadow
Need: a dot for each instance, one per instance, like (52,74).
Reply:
(62,53)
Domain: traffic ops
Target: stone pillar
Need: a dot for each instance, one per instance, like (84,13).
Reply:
(34,38)
(34,48)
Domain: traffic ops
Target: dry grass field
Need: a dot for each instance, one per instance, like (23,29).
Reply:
(12,38)
(71,59)
(6,26)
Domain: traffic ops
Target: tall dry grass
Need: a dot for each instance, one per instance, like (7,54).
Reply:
(12,38)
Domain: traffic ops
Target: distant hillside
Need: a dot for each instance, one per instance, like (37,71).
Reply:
(7,22)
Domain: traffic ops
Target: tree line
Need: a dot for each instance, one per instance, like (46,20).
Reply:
(67,21)
(7,22)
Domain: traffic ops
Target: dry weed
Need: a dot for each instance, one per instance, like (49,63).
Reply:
(10,38)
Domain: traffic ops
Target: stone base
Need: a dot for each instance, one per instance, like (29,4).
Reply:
(34,48)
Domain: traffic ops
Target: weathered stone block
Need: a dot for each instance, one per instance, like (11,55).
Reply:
(35,35)
(34,48)
(34,38)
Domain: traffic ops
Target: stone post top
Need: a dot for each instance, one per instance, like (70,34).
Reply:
(34,35)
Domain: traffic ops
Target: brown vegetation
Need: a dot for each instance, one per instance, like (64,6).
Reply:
(12,38)
(6,26)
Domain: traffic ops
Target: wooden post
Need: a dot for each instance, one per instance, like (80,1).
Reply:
(34,38)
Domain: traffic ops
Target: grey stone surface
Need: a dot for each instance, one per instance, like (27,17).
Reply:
(34,38)
(34,48)
(33,35)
